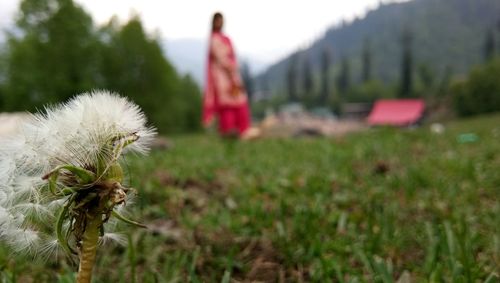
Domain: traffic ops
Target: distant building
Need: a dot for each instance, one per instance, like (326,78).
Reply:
(397,112)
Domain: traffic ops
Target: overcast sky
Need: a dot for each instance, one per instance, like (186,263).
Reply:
(263,29)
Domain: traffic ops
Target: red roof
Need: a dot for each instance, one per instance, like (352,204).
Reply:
(396,112)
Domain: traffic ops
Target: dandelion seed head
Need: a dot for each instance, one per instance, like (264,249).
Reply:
(123,208)
(77,131)
(7,167)
(23,240)
(80,132)
(50,249)
(131,199)
(56,204)
(113,237)
(34,211)
(4,217)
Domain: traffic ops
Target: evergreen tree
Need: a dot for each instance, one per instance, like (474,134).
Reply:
(444,82)
(307,79)
(292,78)
(426,76)
(344,78)
(264,84)
(263,87)
(367,61)
(498,30)
(325,76)
(406,85)
(247,80)
(489,45)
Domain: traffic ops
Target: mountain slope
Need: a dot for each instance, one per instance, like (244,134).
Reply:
(447,34)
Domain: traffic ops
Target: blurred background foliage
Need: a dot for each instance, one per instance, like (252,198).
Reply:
(56,51)
(479,93)
(442,51)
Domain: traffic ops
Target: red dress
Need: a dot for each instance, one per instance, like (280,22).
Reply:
(222,98)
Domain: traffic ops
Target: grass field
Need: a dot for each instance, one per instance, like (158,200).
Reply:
(378,206)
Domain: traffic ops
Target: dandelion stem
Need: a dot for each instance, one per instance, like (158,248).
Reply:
(88,248)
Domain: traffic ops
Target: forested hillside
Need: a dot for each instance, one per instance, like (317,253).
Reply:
(447,37)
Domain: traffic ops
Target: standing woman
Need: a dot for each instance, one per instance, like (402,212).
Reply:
(225,96)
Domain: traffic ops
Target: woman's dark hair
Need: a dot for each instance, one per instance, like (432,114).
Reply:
(215,18)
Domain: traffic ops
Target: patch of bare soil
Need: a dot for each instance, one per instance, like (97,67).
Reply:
(260,260)
(210,188)
(190,183)
(303,124)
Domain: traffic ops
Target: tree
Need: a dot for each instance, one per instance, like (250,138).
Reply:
(480,93)
(444,82)
(52,57)
(264,84)
(406,85)
(292,78)
(190,100)
(325,75)
(426,78)
(247,80)
(367,61)
(134,65)
(368,92)
(489,45)
(344,78)
(307,78)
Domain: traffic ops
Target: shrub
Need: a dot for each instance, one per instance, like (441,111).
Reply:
(480,93)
